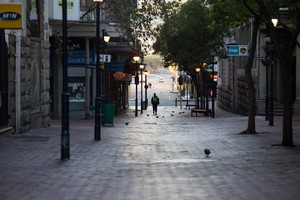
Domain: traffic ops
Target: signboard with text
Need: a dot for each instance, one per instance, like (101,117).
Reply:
(11,16)
(78,57)
(237,50)
(115,66)
(105,58)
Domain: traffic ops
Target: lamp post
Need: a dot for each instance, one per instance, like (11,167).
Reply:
(136,79)
(202,98)
(65,135)
(267,88)
(142,68)
(271,102)
(106,39)
(198,69)
(97,131)
(213,53)
(146,88)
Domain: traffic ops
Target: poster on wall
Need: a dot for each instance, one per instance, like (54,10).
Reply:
(35,75)
(73,10)
(76,89)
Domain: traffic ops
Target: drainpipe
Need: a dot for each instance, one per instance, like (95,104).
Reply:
(18,81)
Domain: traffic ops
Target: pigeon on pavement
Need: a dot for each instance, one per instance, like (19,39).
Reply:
(207,152)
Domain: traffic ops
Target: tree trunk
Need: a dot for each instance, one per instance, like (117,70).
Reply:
(284,51)
(287,126)
(251,90)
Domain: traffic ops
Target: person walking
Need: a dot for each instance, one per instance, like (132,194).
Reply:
(155,103)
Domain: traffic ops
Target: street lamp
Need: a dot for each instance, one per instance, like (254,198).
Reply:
(146,88)
(197,69)
(106,39)
(213,53)
(97,131)
(65,134)
(142,68)
(136,78)
(202,98)
(266,62)
(271,102)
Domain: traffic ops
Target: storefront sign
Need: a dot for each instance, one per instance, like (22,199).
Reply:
(237,50)
(115,66)
(119,75)
(11,16)
(77,57)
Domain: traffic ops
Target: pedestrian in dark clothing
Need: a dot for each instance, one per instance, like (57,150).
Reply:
(155,103)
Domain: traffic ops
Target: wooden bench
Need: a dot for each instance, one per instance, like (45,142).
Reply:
(189,105)
(197,110)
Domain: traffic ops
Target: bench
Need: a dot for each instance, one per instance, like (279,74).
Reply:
(189,105)
(197,110)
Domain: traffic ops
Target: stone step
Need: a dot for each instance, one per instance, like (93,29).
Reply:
(278,110)
(6,131)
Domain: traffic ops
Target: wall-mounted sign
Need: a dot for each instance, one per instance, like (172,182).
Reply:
(77,57)
(105,58)
(237,50)
(115,66)
(11,16)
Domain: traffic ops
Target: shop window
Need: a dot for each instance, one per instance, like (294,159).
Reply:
(76,89)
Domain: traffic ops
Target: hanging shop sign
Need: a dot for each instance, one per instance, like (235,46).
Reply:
(237,50)
(11,16)
(115,66)
(119,75)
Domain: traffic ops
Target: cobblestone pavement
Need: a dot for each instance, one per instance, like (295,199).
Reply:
(153,157)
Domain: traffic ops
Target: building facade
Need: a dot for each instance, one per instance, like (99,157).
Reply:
(27,65)
(31,65)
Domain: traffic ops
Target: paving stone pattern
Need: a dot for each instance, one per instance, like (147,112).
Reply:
(153,157)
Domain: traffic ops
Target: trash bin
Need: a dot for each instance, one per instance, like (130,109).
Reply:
(109,113)
(144,106)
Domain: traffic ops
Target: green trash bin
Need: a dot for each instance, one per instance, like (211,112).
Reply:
(109,113)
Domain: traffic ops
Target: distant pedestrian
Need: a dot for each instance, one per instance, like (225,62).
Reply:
(150,85)
(155,103)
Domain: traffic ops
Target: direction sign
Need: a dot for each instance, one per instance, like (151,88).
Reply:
(237,50)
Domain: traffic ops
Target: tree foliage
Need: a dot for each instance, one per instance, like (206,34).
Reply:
(187,36)
(141,20)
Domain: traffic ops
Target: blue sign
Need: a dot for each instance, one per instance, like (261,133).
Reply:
(115,66)
(77,57)
(10,16)
(237,50)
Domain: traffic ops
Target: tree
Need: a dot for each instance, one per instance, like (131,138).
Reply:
(187,37)
(284,51)
(234,19)
(141,21)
